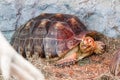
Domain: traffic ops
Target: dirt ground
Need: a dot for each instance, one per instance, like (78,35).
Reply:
(94,67)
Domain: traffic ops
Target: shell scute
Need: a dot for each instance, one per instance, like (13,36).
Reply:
(49,35)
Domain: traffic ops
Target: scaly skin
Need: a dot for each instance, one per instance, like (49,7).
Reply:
(87,47)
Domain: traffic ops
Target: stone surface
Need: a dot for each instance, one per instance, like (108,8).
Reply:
(100,15)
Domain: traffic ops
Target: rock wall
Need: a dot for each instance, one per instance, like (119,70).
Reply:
(100,15)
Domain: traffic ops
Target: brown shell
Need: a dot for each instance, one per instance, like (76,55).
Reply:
(49,35)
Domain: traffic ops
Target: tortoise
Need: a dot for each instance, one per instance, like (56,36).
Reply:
(57,37)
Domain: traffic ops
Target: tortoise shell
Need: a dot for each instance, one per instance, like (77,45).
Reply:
(49,35)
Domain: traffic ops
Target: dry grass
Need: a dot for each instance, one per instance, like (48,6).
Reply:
(95,67)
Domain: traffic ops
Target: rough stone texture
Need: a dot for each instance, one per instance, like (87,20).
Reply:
(100,15)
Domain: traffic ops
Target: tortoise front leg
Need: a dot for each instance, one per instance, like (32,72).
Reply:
(88,46)
(69,59)
(100,47)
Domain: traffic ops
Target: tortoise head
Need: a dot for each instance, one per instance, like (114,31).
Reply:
(89,42)
(89,45)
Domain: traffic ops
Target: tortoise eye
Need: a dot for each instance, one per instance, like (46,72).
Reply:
(90,40)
